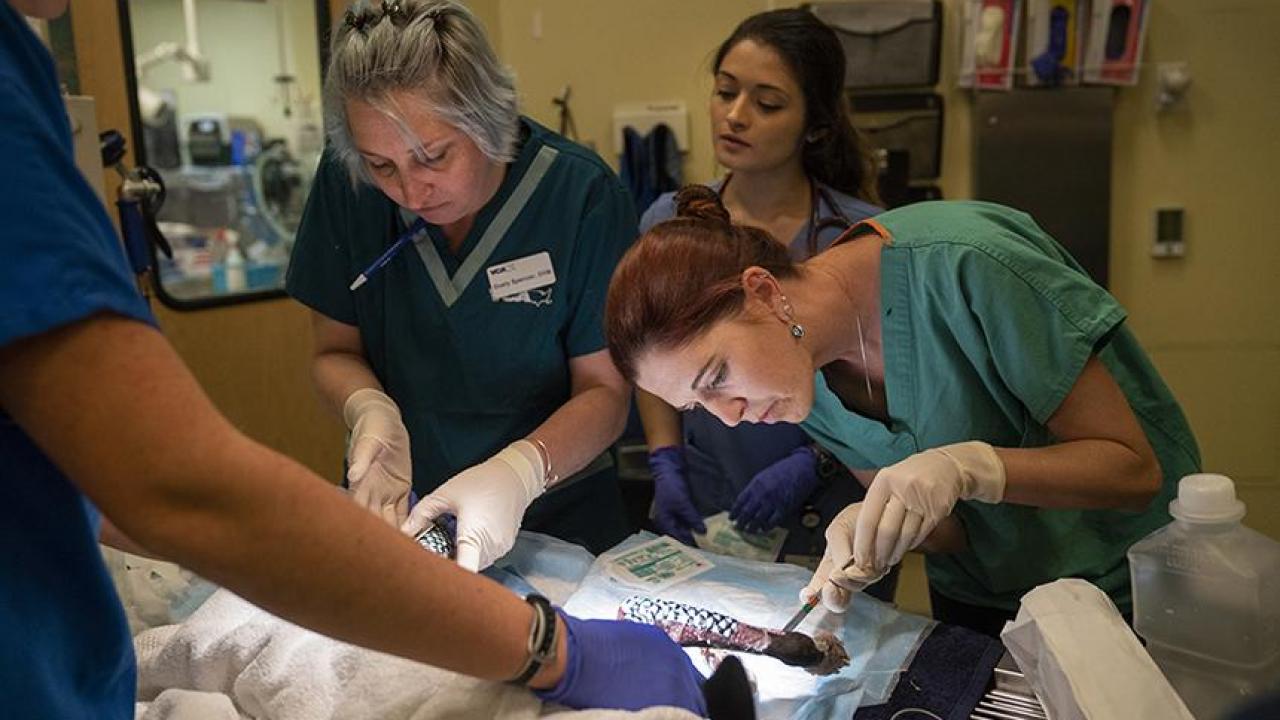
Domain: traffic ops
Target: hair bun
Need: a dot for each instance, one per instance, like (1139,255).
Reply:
(700,202)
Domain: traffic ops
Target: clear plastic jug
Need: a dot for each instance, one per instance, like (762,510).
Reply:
(1206,598)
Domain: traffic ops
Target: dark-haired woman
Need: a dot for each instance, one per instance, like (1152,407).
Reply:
(952,353)
(781,126)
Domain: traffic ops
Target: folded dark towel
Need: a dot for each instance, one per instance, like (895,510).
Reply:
(948,676)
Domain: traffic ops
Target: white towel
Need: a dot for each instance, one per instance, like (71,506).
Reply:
(274,670)
(175,704)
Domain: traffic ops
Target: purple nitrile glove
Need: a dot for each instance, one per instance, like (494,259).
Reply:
(622,665)
(776,492)
(674,513)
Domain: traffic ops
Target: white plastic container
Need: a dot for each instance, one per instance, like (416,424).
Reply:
(233,264)
(1206,598)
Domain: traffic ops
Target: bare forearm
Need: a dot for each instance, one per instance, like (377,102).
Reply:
(661,421)
(108,400)
(583,427)
(948,536)
(1103,459)
(338,374)
(1081,474)
(234,535)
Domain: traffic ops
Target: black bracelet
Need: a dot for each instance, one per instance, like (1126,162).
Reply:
(542,639)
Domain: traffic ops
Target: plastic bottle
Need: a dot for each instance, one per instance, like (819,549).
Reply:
(1206,598)
(233,265)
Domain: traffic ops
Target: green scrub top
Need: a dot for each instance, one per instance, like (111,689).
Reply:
(470,373)
(987,323)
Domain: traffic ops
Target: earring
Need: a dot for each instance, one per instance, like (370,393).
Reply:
(797,330)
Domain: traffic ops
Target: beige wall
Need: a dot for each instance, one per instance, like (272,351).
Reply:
(617,51)
(1211,320)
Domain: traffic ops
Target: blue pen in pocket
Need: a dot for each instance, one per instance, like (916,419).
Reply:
(405,238)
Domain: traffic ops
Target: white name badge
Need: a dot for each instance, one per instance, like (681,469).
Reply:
(519,276)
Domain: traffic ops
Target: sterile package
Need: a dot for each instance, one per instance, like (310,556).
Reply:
(654,565)
(1083,661)
(880,640)
(723,538)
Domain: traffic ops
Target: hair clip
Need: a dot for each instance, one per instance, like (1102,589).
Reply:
(394,11)
(357,20)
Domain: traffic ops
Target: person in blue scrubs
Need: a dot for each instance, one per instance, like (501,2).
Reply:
(104,433)
(471,366)
(955,356)
(797,168)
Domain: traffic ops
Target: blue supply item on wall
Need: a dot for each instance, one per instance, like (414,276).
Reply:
(1048,64)
(650,164)
(1054,50)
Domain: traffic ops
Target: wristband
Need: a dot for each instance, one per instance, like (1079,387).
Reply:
(542,639)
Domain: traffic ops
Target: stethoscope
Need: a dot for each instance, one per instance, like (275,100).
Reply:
(818,196)
(837,218)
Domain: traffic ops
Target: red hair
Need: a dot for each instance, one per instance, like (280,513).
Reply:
(683,276)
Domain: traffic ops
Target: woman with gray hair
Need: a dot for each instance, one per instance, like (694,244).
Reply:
(456,255)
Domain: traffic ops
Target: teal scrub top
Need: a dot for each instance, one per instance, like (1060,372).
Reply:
(987,323)
(470,373)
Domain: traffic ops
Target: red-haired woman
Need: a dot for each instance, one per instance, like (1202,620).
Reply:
(781,126)
(954,355)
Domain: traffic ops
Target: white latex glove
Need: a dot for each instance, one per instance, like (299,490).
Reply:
(488,500)
(907,500)
(379,469)
(838,577)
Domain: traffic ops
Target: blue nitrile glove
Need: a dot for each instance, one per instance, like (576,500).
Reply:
(673,511)
(776,492)
(617,664)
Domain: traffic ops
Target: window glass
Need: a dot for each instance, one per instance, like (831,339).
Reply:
(227,112)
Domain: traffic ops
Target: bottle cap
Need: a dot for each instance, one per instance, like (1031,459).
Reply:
(1206,498)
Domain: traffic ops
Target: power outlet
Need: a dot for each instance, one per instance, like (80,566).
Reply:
(1169,241)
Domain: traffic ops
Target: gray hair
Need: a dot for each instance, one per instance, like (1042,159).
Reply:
(436,50)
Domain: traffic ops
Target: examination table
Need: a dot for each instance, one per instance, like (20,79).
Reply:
(229,659)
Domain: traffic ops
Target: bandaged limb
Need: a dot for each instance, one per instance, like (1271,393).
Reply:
(690,626)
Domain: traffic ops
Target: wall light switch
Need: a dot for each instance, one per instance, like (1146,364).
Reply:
(1169,241)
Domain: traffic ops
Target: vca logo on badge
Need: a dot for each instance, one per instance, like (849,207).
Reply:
(528,279)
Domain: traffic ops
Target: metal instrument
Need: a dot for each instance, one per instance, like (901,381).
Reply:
(1010,698)
(800,615)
